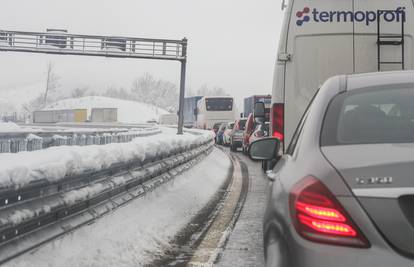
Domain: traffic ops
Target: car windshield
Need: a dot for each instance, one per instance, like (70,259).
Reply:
(370,116)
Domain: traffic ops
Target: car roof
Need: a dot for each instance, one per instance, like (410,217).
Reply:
(373,79)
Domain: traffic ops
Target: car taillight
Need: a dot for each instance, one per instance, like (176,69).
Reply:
(318,216)
(278,120)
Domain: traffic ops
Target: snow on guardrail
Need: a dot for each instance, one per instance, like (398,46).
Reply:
(55,163)
(41,189)
(14,142)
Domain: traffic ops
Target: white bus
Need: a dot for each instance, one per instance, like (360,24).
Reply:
(323,38)
(214,109)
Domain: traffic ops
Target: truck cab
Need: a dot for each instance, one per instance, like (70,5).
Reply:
(324,38)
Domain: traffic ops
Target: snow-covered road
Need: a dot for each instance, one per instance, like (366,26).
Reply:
(140,231)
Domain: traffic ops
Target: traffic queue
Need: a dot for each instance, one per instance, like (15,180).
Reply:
(239,134)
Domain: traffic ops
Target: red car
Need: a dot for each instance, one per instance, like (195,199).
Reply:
(248,131)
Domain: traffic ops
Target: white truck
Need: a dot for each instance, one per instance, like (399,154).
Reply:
(323,38)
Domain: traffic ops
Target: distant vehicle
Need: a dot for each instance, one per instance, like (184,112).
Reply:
(321,39)
(55,37)
(211,110)
(236,135)
(261,131)
(220,133)
(227,132)
(190,111)
(248,131)
(114,43)
(216,126)
(250,101)
(343,191)
(168,119)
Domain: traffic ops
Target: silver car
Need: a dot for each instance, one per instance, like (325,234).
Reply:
(342,194)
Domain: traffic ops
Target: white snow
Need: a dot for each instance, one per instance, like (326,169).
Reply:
(54,163)
(128,111)
(72,197)
(136,233)
(9,127)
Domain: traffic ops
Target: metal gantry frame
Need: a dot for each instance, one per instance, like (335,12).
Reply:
(59,42)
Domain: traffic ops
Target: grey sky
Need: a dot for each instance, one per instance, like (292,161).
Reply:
(232,43)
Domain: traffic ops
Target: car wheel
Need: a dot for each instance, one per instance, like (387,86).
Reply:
(276,253)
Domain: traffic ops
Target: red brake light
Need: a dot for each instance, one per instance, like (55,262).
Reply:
(318,216)
(278,120)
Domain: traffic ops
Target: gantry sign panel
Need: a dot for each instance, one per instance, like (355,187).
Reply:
(60,42)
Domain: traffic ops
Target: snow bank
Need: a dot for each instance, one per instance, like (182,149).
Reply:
(136,233)
(54,163)
(9,127)
(128,111)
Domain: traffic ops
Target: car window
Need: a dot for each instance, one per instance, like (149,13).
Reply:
(242,124)
(298,131)
(374,115)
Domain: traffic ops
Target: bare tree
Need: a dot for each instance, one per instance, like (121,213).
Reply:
(52,82)
(157,92)
(79,92)
(215,91)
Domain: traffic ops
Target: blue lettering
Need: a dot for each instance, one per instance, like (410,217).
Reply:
(315,15)
(345,16)
(371,17)
(359,16)
(368,17)
(389,16)
(324,16)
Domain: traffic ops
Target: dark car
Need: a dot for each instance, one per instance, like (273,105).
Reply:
(342,194)
(216,126)
(220,133)
(236,135)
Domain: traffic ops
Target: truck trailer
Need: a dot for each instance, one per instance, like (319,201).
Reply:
(190,111)
(249,103)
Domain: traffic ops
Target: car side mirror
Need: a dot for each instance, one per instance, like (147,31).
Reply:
(259,110)
(264,149)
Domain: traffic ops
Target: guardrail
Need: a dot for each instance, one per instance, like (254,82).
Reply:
(18,142)
(41,210)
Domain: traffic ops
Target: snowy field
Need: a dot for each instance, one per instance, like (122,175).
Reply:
(140,231)
(128,111)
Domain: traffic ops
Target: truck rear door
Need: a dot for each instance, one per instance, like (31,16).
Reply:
(320,46)
(366,19)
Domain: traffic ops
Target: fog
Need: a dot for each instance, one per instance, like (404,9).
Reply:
(232,44)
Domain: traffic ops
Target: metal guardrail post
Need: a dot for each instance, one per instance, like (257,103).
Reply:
(182,87)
